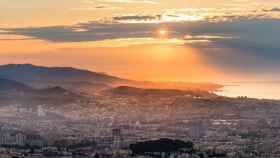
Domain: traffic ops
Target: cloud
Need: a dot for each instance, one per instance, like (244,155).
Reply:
(275,9)
(110,4)
(132,1)
(98,7)
(258,35)
(224,43)
(122,1)
(231,45)
(137,18)
(92,31)
(199,14)
(262,32)
(225,14)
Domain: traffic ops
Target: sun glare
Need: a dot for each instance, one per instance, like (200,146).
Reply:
(163,33)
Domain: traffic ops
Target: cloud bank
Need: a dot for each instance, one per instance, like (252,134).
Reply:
(249,46)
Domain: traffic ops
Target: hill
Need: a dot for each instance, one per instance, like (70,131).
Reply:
(9,85)
(133,91)
(13,92)
(79,80)
(42,77)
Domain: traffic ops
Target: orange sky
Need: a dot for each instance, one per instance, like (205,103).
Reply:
(157,60)
(156,57)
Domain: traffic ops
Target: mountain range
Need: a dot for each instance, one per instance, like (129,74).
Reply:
(66,77)
(79,80)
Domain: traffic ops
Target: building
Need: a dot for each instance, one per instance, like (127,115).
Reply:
(12,138)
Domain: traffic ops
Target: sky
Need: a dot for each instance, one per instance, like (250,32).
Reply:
(159,40)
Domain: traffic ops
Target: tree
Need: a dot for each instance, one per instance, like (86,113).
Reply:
(161,146)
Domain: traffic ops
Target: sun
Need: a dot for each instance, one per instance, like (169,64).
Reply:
(162,33)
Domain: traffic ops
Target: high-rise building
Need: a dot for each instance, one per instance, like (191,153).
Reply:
(116,138)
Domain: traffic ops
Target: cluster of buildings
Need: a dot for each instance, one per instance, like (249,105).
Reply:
(240,127)
(12,138)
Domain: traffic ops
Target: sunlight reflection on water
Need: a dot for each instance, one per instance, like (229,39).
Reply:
(262,90)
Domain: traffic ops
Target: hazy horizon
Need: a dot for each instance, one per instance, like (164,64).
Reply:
(225,83)
(158,40)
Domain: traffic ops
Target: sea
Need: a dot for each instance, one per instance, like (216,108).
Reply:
(260,90)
